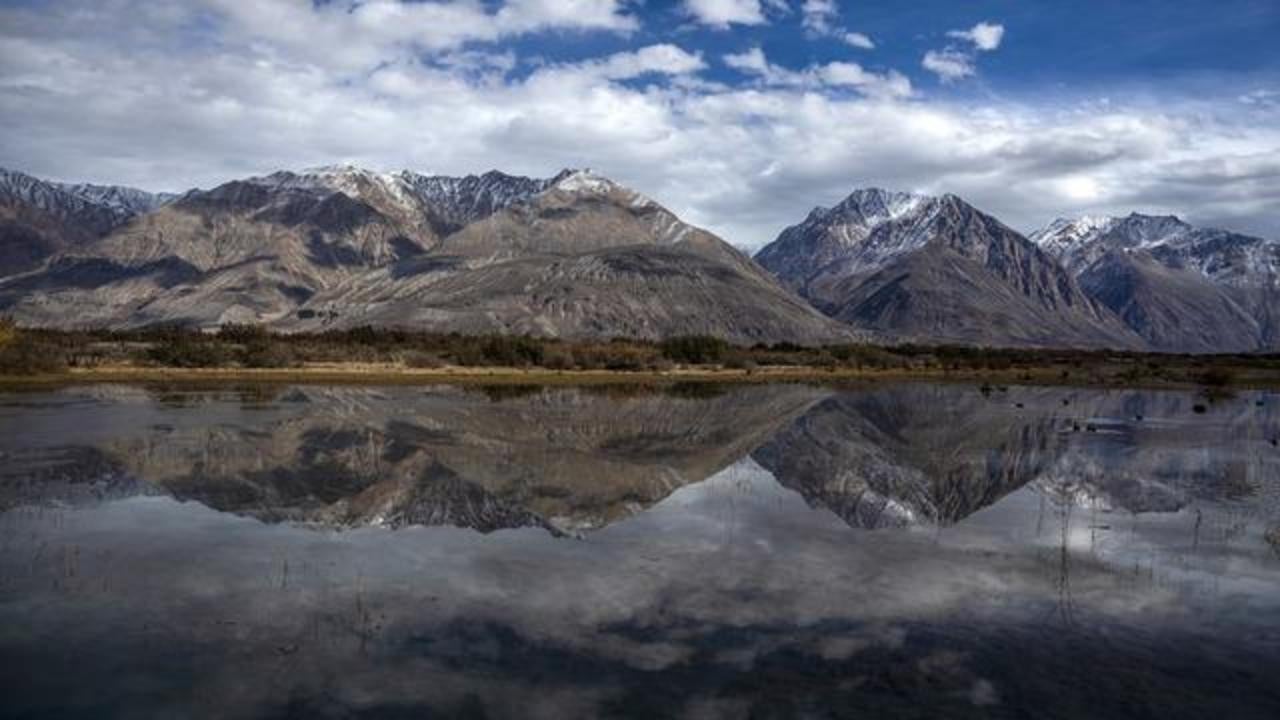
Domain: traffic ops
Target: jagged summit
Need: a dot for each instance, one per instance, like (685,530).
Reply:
(935,267)
(574,255)
(1081,242)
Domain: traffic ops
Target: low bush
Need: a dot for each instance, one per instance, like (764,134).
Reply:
(267,354)
(695,349)
(23,355)
(1217,377)
(187,350)
(8,332)
(424,360)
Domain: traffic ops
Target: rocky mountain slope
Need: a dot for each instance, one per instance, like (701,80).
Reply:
(937,269)
(1180,287)
(576,255)
(40,218)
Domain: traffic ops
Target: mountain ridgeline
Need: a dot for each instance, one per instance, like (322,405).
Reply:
(579,256)
(935,269)
(575,256)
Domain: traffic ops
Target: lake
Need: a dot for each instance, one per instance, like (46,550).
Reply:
(773,551)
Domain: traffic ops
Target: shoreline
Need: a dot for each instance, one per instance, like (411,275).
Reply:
(390,374)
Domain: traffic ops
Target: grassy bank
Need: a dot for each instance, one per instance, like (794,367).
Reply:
(367,355)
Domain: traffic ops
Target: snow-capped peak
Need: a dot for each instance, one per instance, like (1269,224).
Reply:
(876,206)
(583,181)
(588,182)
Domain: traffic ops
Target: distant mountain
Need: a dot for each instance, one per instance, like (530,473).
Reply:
(40,218)
(937,269)
(1180,287)
(576,255)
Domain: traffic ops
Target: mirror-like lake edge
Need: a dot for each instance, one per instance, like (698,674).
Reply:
(697,550)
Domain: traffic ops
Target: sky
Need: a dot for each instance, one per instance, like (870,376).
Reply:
(739,115)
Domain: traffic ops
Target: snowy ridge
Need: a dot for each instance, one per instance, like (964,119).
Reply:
(101,205)
(1220,255)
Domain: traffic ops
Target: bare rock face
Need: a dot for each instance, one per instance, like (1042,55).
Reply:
(39,219)
(937,269)
(1180,287)
(576,255)
(583,258)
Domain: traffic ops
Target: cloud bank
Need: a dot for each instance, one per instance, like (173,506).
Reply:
(169,96)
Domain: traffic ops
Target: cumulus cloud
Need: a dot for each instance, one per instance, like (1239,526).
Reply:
(858,40)
(820,18)
(984,36)
(956,62)
(835,74)
(656,59)
(949,65)
(722,13)
(170,96)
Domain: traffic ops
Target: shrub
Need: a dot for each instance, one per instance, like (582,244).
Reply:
(694,349)
(8,332)
(243,333)
(23,355)
(1217,377)
(557,358)
(424,361)
(186,351)
(267,354)
(511,351)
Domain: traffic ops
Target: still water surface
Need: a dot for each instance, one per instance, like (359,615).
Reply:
(776,551)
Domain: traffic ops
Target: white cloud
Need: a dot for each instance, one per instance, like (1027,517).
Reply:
(656,59)
(1264,98)
(127,91)
(858,40)
(955,63)
(835,74)
(949,65)
(722,13)
(820,18)
(358,36)
(984,36)
(819,15)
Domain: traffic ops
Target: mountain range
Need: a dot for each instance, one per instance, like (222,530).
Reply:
(580,256)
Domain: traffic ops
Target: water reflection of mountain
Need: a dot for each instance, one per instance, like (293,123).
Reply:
(912,453)
(572,460)
(935,454)
(567,460)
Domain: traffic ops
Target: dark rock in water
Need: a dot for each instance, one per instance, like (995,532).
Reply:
(1199,408)
(1092,428)
(1138,417)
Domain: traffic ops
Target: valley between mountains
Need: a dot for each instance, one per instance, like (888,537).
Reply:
(578,256)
